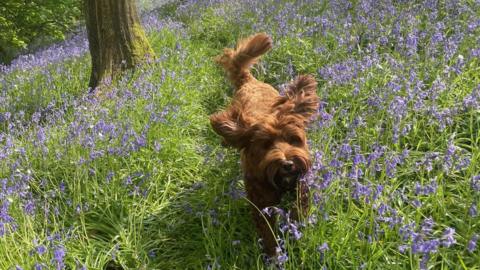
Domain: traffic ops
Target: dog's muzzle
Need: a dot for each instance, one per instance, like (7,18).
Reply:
(287,175)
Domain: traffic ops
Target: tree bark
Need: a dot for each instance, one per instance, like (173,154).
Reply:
(116,38)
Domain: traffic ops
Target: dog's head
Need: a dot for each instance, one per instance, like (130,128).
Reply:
(275,146)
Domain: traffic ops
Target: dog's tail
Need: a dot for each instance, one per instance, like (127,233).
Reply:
(237,62)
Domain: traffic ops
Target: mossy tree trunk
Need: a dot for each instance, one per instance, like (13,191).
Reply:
(116,38)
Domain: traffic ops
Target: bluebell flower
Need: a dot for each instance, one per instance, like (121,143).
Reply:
(475,183)
(41,249)
(58,257)
(424,247)
(323,247)
(427,226)
(282,256)
(472,243)
(427,189)
(472,211)
(448,237)
(403,248)
(152,254)
(424,261)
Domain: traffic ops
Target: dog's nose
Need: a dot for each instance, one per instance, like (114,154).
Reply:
(288,165)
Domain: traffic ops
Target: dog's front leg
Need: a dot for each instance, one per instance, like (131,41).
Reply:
(265,228)
(303,201)
(262,197)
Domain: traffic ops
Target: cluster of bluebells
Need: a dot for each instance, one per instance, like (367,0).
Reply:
(73,47)
(423,239)
(77,45)
(287,227)
(52,248)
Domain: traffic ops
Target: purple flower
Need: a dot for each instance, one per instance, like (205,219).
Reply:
(378,191)
(325,180)
(335,163)
(58,256)
(398,107)
(424,261)
(424,247)
(472,244)
(214,217)
(41,249)
(233,191)
(427,226)
(29,207)
(297,234)
(463,163)
(291,227)
(324,118)
(389,215)
(345,150)
(416,203)
(472,211)
(427,189)
(109,177)
(355,173)
(128,181)
(157,146)
(475,183)
(403,248)
(376,154)
(323,247)
(114,251)
(282,256)
(94,154)
(449,156)
(152,254)
(62,186)
(358,159)
(6,219)
(361,191)
(392,163)
(475,52)
(41,137)
(411,42)
(448,237)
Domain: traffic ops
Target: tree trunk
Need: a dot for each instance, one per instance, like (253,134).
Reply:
(116,38)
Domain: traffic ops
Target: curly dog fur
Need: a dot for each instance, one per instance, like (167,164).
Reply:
(269,131)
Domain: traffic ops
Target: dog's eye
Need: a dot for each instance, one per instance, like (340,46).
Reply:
(267,144)
(295,140)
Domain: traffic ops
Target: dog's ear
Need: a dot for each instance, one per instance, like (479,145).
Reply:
(300,98)
(232,125)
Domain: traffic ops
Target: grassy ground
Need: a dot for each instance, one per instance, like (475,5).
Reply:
(138,180)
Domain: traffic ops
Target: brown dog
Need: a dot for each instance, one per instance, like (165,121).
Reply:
(269,130)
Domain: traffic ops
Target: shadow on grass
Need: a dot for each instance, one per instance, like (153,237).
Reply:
(202,224)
